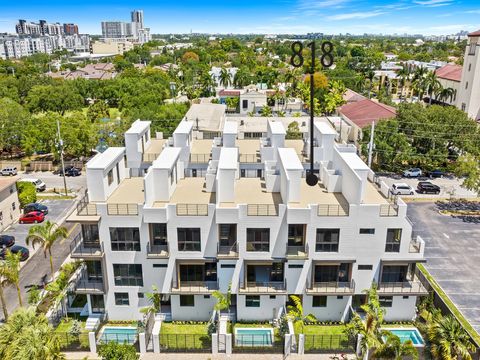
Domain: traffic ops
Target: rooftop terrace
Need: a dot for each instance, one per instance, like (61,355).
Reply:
(252,191)
(130,191)
(189,191)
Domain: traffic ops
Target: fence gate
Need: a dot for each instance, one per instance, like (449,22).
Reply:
(222,343)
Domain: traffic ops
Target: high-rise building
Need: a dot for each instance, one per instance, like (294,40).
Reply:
(137,17)
(70,29)
(116,29)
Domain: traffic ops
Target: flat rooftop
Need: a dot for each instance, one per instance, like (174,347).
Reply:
(248,146)
(252,191)
(130,191)
(313,195)
(105,159)
(203,146)
(139,127)
(189,191)
(295,144)
(156,146)
(373,196)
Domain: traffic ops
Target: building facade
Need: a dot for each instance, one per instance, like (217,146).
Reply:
(9,204)
(192,215)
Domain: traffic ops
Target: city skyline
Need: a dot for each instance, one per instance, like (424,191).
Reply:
(428,17)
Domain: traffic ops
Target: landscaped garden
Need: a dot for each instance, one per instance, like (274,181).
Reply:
(188,335)
(72,335)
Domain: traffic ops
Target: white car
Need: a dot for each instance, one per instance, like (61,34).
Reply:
(39,184)
(401,189)
(9,171)
(413,172)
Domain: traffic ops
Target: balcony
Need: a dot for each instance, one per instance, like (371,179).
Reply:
(263,287)
(227,251)
(157,251)
(388,210)
(332,287)
(249,158)
(86,285)
(297,251)
(200,158)
(262,210)
(194,287)
(122,209)
(416,245)
(80,249)
(411,287)
(85,211)
(332,210)
(192,209)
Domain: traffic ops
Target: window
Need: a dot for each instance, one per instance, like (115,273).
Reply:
(386,301)
(118,173)
(367,231)
(227,234)
(227,266)
(396,273)
(466,85)
(473,46)
(295,234)
(242,173)
(273,296)
(394,237)
(295,266)
(339,297)
(125,239)
(365,267)
(469,67)
(140,295)
(121,299)
(258,239)
(244,104)
(252,301)
(110,177)
(319,301)
(158,234)
(189,239)
(464,106)
(14,206)
(90,235)
(128,274)
(160,265)
(206,296)
(187,300)
(405,297)
(327,240)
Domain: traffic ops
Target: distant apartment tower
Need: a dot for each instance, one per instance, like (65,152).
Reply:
(116,29)
(70,29)
(137,17)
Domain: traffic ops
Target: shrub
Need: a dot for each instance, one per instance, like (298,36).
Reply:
(75,328)
(27,193)
(115,351)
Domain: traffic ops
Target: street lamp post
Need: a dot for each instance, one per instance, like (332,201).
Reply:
(60,145)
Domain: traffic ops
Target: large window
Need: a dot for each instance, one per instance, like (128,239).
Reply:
(90,235)
(121,299)
(128,274)
(258,239)
(189,239)
(319,301)
(187,300)
(197,272)
(386,301)
(110,177)
(227,234)
(295,234)
(125,239)
(394,237)
(396,273)
(252,301)
(327,240)
(158,234)
(332,273)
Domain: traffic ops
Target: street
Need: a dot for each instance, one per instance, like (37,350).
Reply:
(451,251)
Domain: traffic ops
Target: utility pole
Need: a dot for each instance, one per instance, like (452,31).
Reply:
(60,146)
(370,145)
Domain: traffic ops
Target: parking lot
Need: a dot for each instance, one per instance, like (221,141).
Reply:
(56,181)
(451,251)
(57,211)
(448,185)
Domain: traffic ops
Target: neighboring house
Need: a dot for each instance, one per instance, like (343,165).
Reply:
(449,76)
(99,71)
(242,214)
(362,113)
(9,204)
(352,96)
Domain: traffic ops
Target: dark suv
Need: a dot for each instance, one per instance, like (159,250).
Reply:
(426,187)
(35,207)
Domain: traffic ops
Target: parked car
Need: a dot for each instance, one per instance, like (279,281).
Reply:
(39,184)
(436,173)
(426,187)
(35,207)
(73,172)
(7,240)
(15,249)
(401,189)
(413,172)
(67,170)
(32,217)
(9,171)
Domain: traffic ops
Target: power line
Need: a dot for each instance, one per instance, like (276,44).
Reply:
(433,137)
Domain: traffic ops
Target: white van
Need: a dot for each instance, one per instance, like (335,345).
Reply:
(39,184)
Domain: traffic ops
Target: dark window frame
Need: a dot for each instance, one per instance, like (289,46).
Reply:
(258,239)
(187,300)
(158,233)
(252,301)
(327,240)
(367,231)
(128,274)
(125,239)
(386,301)
(394,240)
(319,301)
(187,239)
(121,298)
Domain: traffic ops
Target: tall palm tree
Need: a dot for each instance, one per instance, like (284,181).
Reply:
(403,75)
(4,282)
(448,339)
(223,300)
(393,348)
(295,312)
(12,261)
(418,81)
(225,78)
(443,94)
(431,85)
(46,235)
(370,75)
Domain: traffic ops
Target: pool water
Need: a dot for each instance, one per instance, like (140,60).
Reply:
(408,334)
(253,337)
(119,334)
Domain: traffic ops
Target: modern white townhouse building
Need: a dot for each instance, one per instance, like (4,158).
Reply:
(192,215)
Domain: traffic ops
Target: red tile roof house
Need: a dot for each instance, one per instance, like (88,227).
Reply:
(450,76)
(361,114)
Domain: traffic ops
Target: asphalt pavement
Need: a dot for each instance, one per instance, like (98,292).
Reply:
(451,251)
(56,181)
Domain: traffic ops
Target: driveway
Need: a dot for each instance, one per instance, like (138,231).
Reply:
(453,257)
(57,211)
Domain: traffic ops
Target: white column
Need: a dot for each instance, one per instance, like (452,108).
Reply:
(143,343)
(156,336)
(215,343)
(301,344)
(93,342)
(89,304)
(228,344)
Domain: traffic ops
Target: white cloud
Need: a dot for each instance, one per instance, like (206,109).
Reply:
(473,12)
(320,4)
(433,3)
(356,15)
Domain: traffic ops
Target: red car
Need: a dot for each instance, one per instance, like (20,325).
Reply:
(32,217)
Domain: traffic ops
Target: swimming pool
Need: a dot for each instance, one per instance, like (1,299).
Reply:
(119,334)
(406,334)
(253,336)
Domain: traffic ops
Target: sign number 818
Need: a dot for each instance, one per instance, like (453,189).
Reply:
(326,59)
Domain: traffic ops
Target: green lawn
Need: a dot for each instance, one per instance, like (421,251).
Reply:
(70,342)
(184,336)
(319,329)
(324,337)
(171,328)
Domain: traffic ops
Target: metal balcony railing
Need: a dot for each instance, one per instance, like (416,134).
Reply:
(192,209)
(332,287)
(415,246)
(388,210)
(332,210)
(150,157)
(157,250)
(227,250)
(300,251)
(88,285)
(262,210)
(194,286)
(266,287)
(84,208)
(200,158)
(405,287)
(80,248)
(122,209)
(249,158)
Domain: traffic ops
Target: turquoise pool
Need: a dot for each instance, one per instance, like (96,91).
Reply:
(253,337)
(408,334)
(119,334)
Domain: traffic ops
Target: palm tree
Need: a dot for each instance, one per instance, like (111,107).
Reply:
(12,261)
(370,75)
(443,94)
(418,81)
(223,300)
(403,75)
(266,111)
(4,282)
(393,348)
(225,78)
(431,84)
(295,312)
(448,339)
(46,235)
(155,299)
(241,78)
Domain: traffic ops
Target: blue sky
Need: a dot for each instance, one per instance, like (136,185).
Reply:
(254,16)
